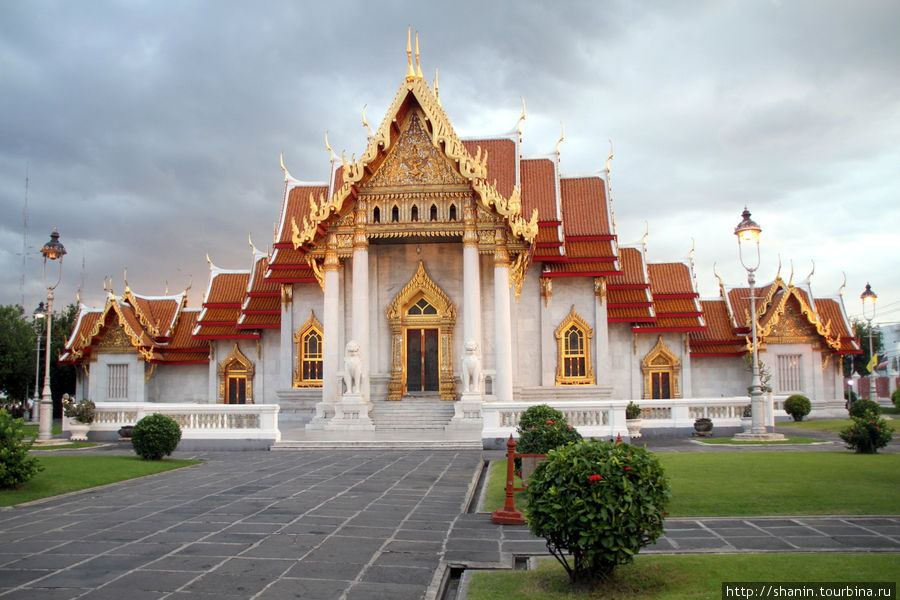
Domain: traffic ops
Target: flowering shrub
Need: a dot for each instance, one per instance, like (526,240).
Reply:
(82,411)
(15,466)
(860,407)
(632,411)
(797,406)
(541,429)
(155,436)
(596,503)
(867,434)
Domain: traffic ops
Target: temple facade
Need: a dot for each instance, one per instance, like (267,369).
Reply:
(452,273)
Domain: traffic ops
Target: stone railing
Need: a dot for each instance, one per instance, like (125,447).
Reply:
(606,418)
(197,421)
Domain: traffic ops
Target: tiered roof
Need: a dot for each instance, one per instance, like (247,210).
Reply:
(222,306)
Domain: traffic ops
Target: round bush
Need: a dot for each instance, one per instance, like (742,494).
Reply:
(863,406)
(544,437)
(155,436)
(596,503)
(539,414)
(867,434)
(797,406)
(895,397)
(16,467)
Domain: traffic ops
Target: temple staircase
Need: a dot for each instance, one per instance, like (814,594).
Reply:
(422,411)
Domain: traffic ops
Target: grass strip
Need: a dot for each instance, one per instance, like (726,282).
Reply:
(695,577)
(764,483)
(71,446)
(733,442)
(63,474)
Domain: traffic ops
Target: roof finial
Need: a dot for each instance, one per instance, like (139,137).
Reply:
(250,241)
(209,260)
(410,73)
(437,94)
(609,158)
(328,147)
(366,123)
(791,280)
(166,293)
(125,279)
(778,273)
(562,136)
(190,284)
(287,176)
(521,118)
(843,285)
(809,277)
(645,236)
(418,66)
(719,277)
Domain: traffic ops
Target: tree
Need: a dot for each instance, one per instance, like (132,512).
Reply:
(861,361)
(16,353)
(62,377)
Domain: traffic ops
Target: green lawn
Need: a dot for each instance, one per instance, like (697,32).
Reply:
(64,474)
(829,425)
(696,577)
(788,440)
(765,483)
(31,429)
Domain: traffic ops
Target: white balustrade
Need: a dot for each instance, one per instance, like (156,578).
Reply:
(197,421)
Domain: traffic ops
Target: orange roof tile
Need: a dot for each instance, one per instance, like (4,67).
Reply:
(501,162)
(631,261)
(718,324)
(668,279)
(584,208)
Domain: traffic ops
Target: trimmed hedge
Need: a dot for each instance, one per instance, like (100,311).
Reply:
(15,465)
(797,406)
(155,436)
(862,406)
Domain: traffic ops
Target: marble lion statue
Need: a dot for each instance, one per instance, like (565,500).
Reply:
(471,368)
(352,368)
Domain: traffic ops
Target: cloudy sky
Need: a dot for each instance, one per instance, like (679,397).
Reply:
(150,130)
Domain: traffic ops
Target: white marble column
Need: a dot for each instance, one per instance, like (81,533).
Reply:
(503,388)
(360,315)
(601,332)
(471,282)
(331,350)
(286,361)
(548,336)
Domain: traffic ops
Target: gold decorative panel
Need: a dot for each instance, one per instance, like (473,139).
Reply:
(574,341)
(235,365)
(114,341)
(661,362)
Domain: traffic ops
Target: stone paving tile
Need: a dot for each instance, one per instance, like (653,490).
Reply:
(385,591)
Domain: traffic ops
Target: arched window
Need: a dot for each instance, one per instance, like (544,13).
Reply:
(415,213)
(376,215)
(395,214)
(574,338)
(235,378)
(308,349)
(452,212)
(433,213)
(662,371)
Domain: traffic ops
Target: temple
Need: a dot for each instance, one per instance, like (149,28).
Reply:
(448,275)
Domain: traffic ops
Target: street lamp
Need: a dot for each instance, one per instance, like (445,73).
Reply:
(747,232)
(868,298)
(52,250)
(39,313)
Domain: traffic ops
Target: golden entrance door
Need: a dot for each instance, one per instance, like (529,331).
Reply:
(422,360)
(236,390)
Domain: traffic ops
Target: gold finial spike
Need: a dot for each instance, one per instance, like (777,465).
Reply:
(366,123)
(562,136)
(791,280)
(410,73)
(328,147)
(809,277)
(778,273)
(166,293)
(250,241)
(843,285)
(437,94)
(521,118)
(209,260)
(610,157)
(125,279)
(418,66)
(645,236)
(287,174)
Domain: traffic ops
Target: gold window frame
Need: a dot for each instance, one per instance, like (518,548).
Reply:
(311,325)
(235,364)
(661,360)
(563,352)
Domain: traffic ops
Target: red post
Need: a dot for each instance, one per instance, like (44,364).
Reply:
(508,515)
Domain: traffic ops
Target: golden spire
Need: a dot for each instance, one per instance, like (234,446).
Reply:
(645,236)
(125,279)
(562,136)
(418,66)
(166,293)
(209,260)
(521,118)
(250,241)
(287,176)
(809,277)
(778,273)
(410,73)
(791,280)
(328,147)
(843,285)
(609,158)
(437,94)
(366,123)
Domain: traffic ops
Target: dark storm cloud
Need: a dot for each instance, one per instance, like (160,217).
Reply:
(151,130)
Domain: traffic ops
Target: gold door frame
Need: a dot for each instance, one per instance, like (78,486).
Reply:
(421,286)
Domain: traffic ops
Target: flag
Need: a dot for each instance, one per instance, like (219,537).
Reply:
(872,363)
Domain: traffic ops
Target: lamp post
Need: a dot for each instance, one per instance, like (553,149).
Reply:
(39,314)
(747,232)
(868,299)
(52,250)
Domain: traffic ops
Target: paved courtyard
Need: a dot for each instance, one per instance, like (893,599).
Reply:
(326,523)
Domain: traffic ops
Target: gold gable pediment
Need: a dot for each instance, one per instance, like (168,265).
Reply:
(114,340)
(790,326)
(415,161)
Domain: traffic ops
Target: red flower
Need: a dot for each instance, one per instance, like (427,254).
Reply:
(532,427)
(595,478)
(549,422)
(570,427)
(627,468)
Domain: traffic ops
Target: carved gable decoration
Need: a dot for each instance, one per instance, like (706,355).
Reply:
(791,327)
(415,161)
(114,340)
